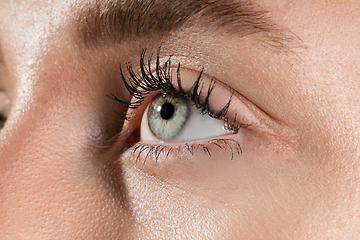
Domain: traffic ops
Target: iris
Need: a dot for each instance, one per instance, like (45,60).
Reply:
(168,115)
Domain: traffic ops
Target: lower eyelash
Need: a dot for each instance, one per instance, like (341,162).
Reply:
(144,152)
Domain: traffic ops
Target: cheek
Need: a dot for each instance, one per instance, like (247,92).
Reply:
(50,175)
(165,211)
(247,207)
(252,196)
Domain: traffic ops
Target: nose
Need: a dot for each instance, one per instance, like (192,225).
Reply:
(58,173)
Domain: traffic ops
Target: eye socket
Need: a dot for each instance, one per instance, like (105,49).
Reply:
(174,119)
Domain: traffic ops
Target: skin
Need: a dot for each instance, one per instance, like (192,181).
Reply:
(61,176)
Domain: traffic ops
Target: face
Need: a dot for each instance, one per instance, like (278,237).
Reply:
(212,120)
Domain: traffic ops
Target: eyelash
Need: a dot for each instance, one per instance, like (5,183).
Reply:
(156,150)
(141,84)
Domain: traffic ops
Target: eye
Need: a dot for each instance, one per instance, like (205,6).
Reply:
(169,118)
(194,113)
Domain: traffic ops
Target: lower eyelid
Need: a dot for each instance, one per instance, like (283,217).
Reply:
(157,153)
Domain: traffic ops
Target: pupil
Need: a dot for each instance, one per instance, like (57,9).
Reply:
(167,111)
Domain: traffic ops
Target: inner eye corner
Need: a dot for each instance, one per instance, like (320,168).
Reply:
(133,137)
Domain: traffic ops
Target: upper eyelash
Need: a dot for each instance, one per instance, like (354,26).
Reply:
(140,85)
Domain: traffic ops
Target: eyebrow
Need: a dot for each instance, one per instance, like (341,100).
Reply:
(121,20)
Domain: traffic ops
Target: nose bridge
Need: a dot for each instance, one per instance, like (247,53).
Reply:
(55,180)
(49,181)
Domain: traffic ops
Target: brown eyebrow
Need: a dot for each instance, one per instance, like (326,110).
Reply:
(120,20)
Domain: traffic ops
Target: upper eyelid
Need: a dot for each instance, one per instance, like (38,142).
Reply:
(144,82)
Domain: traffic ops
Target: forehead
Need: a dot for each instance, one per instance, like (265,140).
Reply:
(31,22)
(27,27)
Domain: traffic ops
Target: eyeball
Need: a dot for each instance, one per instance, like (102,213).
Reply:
(170,118)
(167,116)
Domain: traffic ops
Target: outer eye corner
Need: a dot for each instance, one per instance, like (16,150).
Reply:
(5,103)
(2,123)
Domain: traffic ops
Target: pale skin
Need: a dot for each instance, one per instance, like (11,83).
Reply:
(65,172)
